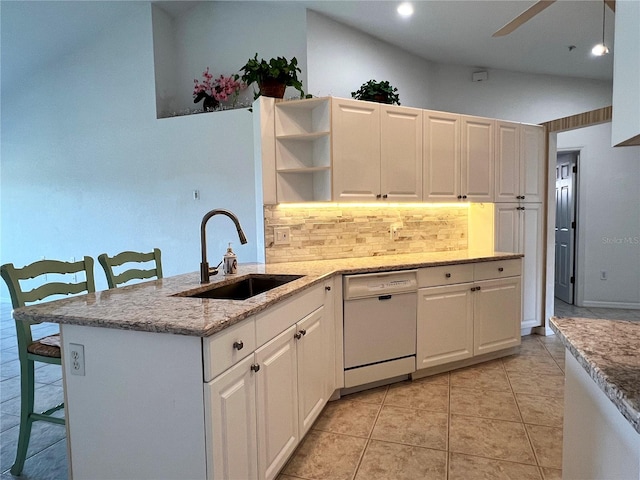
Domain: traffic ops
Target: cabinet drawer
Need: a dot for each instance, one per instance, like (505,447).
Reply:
(446,275)
(224,349)
(286,313)
(497,269)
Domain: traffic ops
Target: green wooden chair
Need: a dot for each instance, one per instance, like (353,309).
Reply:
(47,349)
(111,264)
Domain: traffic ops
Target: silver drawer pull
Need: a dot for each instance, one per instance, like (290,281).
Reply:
(500,269)
(238,345)
(384,297)
(448,275)
(255,367)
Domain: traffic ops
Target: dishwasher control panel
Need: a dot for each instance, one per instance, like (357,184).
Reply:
(374,284)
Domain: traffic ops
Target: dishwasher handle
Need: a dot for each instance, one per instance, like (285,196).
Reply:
(384,297)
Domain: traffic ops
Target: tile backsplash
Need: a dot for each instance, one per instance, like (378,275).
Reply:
(323,232)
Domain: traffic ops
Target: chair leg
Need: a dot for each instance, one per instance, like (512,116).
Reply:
(27,385)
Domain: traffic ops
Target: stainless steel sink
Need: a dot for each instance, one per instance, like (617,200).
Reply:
(244,288)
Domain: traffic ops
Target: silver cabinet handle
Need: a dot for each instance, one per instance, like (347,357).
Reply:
(300,334)
(448,275)
(255,367)
(500,269)
(328,289)
(238,345)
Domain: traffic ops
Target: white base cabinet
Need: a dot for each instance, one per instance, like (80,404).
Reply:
(277,391)
(467,310)
(277,402)
(230,419)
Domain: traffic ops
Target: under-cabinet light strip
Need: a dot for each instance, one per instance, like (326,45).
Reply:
(372,205)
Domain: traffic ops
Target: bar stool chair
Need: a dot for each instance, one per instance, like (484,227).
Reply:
(47,349)
(127,273)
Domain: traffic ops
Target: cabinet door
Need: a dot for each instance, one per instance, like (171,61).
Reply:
(441,156)
(445,325)
(277,403)
(401,154)
(531,241)
(507,228)
(507,167)
(478,141)
(356,150)
(230,416)
(314,368)
(532,163)
(497,311)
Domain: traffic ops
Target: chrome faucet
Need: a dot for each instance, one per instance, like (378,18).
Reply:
(205,271)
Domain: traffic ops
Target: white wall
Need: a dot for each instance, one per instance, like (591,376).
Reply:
(341,58)
(223,36)
(608,218)
(88,168)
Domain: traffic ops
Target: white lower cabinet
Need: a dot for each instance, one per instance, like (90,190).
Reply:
(277,402)
(258,410)
(497,313)
(231,423)
(445,325)
(467,310)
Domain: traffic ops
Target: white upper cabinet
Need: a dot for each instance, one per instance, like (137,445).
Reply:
(519,166)
(400,154)
(477,184)
(377,152)
(458,157)
(532,163)
(441,156)
(356,150)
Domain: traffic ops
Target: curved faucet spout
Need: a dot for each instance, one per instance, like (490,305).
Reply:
(204,265)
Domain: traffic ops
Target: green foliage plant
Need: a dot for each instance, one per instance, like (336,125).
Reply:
(277,69)
(381,92)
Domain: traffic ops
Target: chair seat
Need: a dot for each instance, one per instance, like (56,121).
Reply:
(46,347)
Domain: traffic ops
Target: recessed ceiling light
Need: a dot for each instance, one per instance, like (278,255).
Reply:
(405,9)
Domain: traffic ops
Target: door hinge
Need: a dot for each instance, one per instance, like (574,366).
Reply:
(575,169)
(573,224)
(573,280)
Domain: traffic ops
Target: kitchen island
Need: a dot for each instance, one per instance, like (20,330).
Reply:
(602,398)
(166,385)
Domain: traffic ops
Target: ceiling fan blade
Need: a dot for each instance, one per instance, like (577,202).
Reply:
(611,4)
(524,17)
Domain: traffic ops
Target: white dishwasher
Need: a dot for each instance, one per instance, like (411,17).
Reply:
(379,326)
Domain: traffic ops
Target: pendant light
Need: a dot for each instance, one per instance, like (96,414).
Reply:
(601,49)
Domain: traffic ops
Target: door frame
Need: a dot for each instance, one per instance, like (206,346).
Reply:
(552,128)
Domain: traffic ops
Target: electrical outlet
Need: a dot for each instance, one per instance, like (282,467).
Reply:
(77,359)
(395,231)
(603,275)
(281,236)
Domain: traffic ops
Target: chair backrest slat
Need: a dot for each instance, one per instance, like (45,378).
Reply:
(20,297)
(115,279)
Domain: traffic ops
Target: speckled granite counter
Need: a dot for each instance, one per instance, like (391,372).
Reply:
(609,351)
(154,307)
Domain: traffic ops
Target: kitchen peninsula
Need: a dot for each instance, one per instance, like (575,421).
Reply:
(602,398)
(167,385)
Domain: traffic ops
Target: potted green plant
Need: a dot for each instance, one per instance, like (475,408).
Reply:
(381,92)
(272,77)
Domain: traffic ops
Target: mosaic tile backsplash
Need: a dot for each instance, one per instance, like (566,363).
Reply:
(320,233)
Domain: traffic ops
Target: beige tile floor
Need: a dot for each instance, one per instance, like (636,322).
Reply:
(497,420)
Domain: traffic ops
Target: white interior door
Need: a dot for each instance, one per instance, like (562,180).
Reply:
(565,225)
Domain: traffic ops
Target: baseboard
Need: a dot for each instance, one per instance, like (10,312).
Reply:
(622,305)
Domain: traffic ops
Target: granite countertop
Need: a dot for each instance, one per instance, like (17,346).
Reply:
(154,307)
(609,351)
